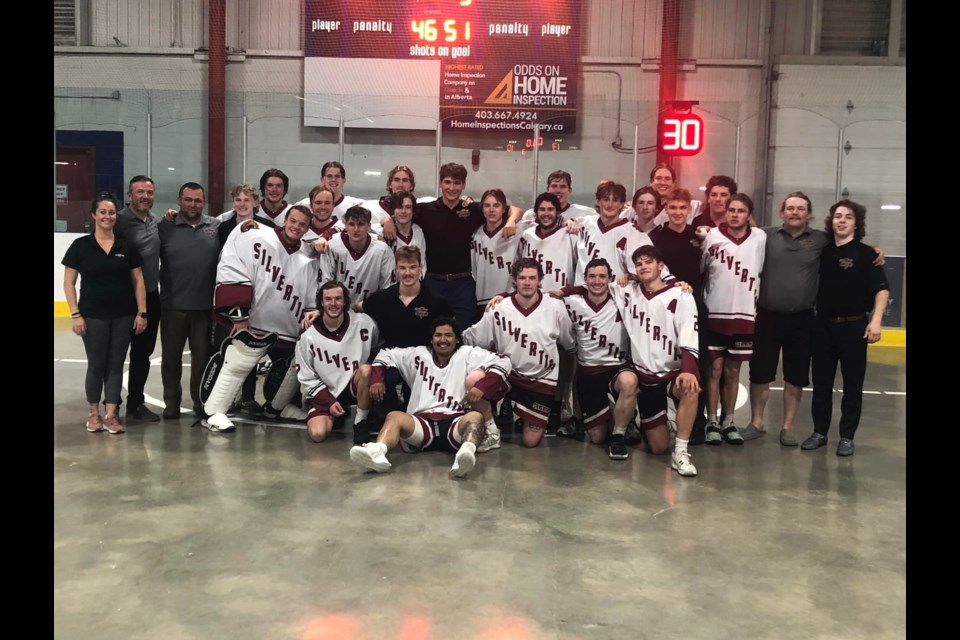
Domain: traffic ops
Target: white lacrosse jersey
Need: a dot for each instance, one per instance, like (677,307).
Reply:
(662,330)
(361,272)
(415,239)
(377,208)
(532,338)
(334,226)
(731,270)
(596,240)
(438,392)
(572,212)
(275,281)
(601,340)
(328,361)
(555,250)
(491,256)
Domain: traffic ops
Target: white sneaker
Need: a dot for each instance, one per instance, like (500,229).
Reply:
(490,441)
(372,455)
(465,460)
(680,460)
(218,423)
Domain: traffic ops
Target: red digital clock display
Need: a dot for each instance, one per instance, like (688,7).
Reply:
(681,134)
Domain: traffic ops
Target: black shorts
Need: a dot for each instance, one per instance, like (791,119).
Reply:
(595,392)
(532,407)
(652,404)
(347,399)
(790,332)
(737,347)
(434,435)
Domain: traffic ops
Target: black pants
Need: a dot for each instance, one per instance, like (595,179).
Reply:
(391,399)
(176,329)
(841,342)
(141,348)
(106,341)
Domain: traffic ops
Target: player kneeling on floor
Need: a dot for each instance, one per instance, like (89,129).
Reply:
(332,357)
(661,324)
(452,388)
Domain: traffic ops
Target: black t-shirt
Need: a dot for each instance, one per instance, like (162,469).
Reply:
(849,281)
(405,325)
(447,233)
(681,253)
(106,289)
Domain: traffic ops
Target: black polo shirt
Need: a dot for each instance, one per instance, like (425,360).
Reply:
(849,281)
(106,289)
(681,253)
(447,232)
(405,325)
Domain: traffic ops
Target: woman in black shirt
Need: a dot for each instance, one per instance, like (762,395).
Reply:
(112,305)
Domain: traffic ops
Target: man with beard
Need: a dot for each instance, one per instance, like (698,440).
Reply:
(189,249)
(137,226)
(452,389)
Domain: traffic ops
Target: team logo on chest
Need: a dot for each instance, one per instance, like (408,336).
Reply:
(421,312)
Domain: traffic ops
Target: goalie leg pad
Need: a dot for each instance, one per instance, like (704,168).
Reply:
(226,369)
(280,387)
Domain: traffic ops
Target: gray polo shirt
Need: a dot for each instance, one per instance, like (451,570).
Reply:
(791,270)
(143,235)
(188,263)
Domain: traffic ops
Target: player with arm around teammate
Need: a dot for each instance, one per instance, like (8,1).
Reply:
(602,350)
(661,324)
(452,391)
(531,328)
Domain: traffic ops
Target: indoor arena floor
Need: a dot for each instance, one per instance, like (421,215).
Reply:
(169,531)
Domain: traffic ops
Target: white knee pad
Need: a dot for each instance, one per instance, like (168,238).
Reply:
(226,370)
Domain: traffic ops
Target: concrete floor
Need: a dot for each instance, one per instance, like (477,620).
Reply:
(170,531)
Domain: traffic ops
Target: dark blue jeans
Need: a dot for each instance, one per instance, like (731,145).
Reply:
(462,296)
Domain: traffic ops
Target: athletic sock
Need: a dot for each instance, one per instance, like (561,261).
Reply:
(361,414)
(727,420)
(712,417)
(491,426)
(680,445)
(619,430)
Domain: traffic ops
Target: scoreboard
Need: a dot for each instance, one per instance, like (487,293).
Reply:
(482,65)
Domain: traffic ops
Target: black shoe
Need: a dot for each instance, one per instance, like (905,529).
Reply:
(171,413)
(361,433)
(269,412)
(815,441)
(504,417)
(698,434)
(142,414)
(251,407)
(553,422)
(617,449)
(845,447)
